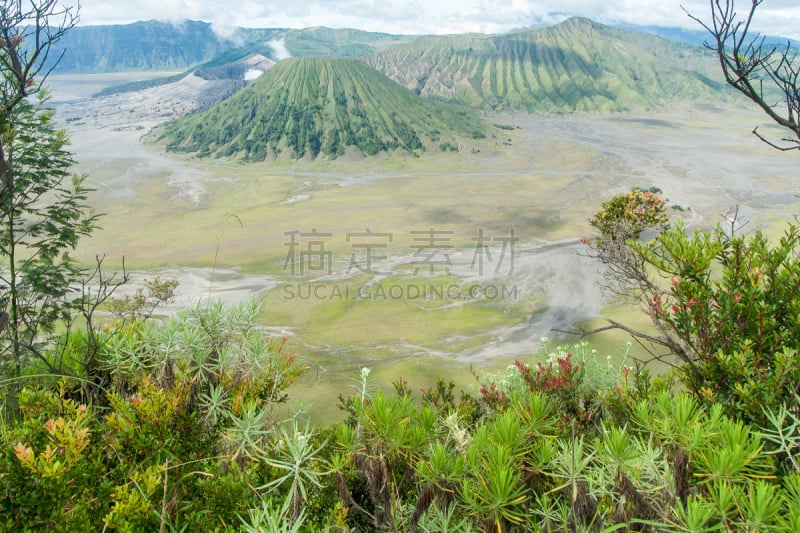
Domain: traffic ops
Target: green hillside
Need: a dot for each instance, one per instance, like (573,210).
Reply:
(317,106)
(575,65)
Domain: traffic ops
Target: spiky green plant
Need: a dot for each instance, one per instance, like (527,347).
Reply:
(271,519)
(295,455)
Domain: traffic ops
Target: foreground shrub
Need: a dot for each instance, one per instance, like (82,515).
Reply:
(732,303)
(658,460)
(165,455)
(186,437)
(49,466)
(724,305)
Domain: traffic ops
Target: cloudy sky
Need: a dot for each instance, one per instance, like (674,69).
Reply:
(775,17)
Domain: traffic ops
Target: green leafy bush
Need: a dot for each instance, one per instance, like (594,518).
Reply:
(187,428)
(627,216)
(49,466)
(725,305)
(731,309)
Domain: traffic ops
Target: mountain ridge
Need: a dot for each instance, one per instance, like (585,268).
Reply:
(577,65)
(160,45)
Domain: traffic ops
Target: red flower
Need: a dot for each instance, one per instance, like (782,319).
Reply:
(692,302)
(737,297)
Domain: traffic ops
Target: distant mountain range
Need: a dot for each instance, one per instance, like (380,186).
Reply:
(147,45)
(697,37)
(155,45)
(410,93)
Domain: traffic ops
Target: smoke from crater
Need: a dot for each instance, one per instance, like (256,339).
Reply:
(279,49)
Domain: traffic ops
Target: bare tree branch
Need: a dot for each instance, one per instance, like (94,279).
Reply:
(747,62)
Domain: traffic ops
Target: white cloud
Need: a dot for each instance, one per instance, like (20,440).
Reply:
(279,49)
(777,17)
